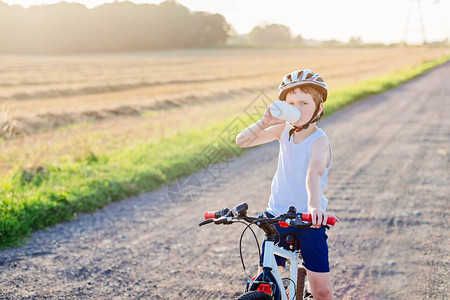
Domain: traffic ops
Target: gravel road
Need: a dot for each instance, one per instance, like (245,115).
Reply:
(389,185)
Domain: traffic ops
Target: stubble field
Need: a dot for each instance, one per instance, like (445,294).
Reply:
(62,109)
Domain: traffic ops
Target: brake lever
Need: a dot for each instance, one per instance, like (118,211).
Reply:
(299,223)
(204,222)
(223,220)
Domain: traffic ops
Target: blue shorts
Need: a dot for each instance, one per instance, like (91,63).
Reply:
(313,247)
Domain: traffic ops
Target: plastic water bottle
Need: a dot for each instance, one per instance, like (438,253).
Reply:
(284,111)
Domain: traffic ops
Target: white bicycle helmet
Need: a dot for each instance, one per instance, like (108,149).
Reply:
(302,77)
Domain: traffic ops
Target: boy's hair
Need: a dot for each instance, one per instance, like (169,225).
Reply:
(317,97)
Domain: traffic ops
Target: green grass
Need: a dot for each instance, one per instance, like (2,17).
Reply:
(36,198)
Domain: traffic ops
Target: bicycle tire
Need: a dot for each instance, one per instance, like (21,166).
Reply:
(301,274)
(307,294)
(255,295)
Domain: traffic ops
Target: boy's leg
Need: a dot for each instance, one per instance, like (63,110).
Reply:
(314,249)
(320,285)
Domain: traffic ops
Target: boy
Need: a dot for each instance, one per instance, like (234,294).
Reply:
(303,163)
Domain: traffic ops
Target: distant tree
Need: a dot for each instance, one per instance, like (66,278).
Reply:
(355,40)
(210,29)
(173,26)
(299,39)
(119,26)
(270,34)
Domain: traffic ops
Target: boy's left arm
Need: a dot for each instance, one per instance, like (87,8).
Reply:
(316,167)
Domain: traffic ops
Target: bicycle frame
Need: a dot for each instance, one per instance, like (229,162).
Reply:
(269,262)
(270,273)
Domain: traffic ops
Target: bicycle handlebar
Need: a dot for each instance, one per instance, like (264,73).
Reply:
(226,215)
(239,213)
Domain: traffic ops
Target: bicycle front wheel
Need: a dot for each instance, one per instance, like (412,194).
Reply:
(255,295)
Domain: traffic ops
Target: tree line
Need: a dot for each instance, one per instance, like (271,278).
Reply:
(119,26)
(126,26)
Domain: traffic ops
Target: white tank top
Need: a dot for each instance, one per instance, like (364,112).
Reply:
(289,182)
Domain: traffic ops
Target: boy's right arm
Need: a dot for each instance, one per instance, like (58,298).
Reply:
(264,131)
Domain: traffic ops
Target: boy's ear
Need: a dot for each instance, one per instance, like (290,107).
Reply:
(320,108)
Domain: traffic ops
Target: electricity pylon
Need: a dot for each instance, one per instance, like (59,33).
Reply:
(417,11)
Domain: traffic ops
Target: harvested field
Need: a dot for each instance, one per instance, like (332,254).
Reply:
(105,102)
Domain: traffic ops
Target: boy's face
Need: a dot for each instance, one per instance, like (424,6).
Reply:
(304,102)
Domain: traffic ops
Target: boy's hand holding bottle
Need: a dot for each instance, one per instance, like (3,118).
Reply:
(280,111)
(268,119)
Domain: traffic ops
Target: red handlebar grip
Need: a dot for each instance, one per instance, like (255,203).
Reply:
(306,217)
(330,221)
(210,215)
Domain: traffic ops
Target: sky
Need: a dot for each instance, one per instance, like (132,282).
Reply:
(381,21)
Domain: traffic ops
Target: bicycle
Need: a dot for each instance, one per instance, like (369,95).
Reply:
(268,284)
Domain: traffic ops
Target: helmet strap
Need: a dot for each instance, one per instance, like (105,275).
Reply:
(304,126)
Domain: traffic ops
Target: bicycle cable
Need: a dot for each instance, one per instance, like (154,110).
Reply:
(257,243)
(240,245)
(295,287)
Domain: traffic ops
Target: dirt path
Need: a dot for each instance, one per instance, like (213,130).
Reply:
(389,186)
